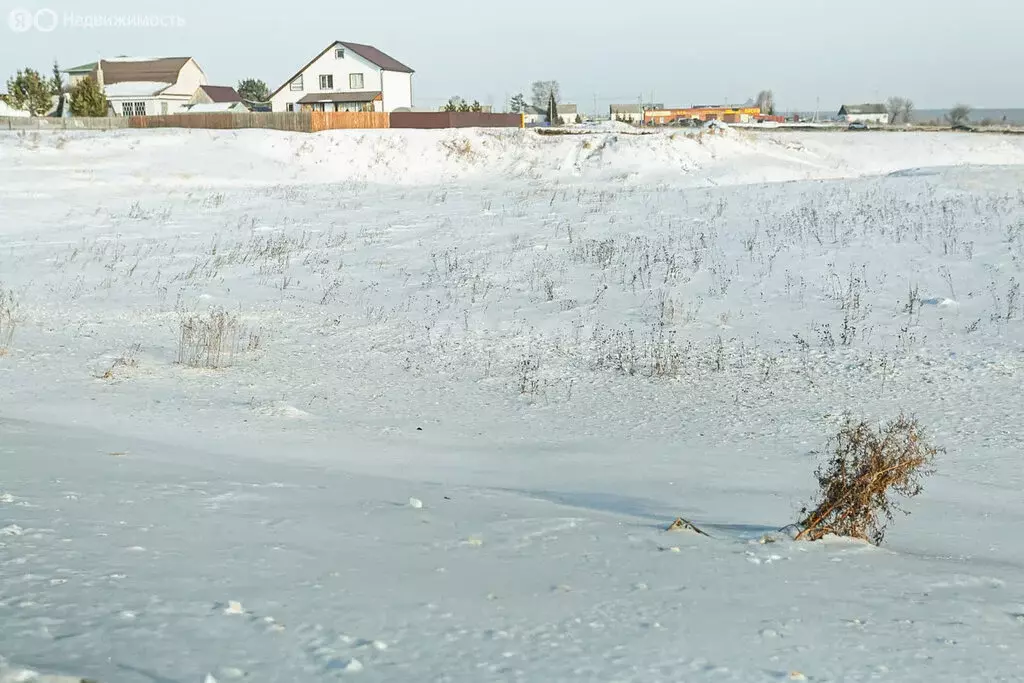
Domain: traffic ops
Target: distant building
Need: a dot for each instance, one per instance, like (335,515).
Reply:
(534,116)
(723,112)
(628,113)
(567,113)
(215,94)
(347,77)
(143,86)
(864,113)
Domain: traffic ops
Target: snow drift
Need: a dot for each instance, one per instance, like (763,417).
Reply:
(408,157)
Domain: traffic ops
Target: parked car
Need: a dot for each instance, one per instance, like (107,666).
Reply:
(964,127)
(857,125)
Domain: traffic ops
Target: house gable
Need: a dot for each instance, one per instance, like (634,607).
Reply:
(368,56)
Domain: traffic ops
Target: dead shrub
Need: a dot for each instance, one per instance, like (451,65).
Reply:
(209,341)
(868,466)
(8,320)
(127,360)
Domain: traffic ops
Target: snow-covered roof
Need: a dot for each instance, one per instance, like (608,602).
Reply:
(8,110)
(135,88)
(213,107)
(861,109)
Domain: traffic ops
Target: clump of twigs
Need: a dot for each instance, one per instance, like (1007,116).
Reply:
(867,468)
(8,319)
(208,341)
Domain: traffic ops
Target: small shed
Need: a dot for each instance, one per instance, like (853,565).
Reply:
(864,113)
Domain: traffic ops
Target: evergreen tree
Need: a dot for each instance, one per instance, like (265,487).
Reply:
(253,90)
(29,92)
(553,110)
(87,99)
(518,104)
(57,83)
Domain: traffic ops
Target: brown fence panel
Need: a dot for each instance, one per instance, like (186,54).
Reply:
(340,120)
(479,119)
(454,119)
(299,122)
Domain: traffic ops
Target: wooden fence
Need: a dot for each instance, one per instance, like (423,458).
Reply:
(298,122)
(55,123)
(340,120)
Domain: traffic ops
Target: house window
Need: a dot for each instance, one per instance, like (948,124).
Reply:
(355,81)
(339,53)
(290,106)
(133,109)
(297,83)
(163,107)
(327,82)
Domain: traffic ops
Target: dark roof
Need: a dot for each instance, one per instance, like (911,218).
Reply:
(626,109)
(221,93)
(365,96)
(863,109)
(367,52)
(375,56)
(162,70)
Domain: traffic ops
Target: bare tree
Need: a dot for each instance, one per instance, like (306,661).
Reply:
(542,91)
(901,109)
(959,115)
(766,102)
(908,110)
(895,108)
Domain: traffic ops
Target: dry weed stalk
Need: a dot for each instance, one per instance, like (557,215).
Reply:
(8,320)
(867,466)
(208,341)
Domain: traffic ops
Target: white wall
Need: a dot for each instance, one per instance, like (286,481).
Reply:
(189,79)
(328,64)
(628,117)
(867,118)
(154,105)
(397,90)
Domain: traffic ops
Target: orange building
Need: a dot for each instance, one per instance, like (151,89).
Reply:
(724,113)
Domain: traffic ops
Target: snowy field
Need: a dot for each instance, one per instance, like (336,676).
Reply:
(468,380)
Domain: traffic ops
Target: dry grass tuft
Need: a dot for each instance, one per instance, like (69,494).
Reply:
(211,341)
(8,320)
(866,468)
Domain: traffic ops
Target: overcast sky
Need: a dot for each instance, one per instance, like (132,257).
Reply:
(936,52)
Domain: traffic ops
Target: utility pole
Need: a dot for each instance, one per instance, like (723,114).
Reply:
(595,105)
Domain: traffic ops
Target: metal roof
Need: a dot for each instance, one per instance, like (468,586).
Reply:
(375,56)
(355,97)
(863,109)
(221,93)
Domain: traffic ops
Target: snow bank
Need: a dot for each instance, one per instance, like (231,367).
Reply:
(409,157)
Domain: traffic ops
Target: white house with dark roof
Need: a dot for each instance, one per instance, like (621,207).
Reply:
(628,113)
(143,86)
(567,113)
(864,113)
(347,77)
